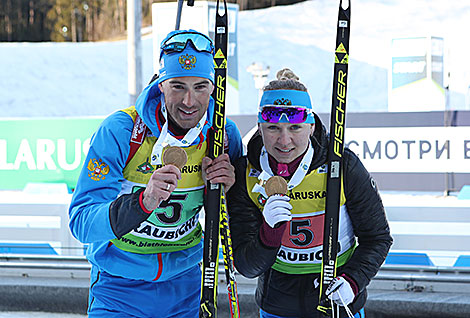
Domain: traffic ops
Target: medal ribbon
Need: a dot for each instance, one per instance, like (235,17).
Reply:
(166,139)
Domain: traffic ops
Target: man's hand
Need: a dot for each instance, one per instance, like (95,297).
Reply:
(162,182)
(219,170)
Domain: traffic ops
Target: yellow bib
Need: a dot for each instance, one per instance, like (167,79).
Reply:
(174,225)
(302,243)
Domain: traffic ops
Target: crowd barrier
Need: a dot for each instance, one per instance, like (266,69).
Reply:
(427,229)
(35,222)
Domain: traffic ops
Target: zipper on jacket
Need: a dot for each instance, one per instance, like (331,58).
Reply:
(91,287)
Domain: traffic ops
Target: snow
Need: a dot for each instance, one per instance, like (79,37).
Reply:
(90,79)
(302,37)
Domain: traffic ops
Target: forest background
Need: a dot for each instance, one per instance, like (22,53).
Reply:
(79,21)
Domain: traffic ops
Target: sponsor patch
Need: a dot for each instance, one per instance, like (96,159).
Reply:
(323,169)
(145,167)
(253,173)
(170,234)
(262,200)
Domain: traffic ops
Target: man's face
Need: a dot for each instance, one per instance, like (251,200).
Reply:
(187,99)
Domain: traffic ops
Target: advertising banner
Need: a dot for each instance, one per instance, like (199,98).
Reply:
(412,149)
(43,150)
(54,150)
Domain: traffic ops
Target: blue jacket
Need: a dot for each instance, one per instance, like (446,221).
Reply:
(100,212)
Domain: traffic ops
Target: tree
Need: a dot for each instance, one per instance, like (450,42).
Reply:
(23,20)
(81,20)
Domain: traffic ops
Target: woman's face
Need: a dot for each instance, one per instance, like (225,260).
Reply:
(284,141)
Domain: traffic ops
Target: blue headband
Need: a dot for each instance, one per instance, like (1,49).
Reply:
(188,62)
(286,98)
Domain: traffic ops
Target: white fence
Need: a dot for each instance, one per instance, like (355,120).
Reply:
(37,223)
(427,229)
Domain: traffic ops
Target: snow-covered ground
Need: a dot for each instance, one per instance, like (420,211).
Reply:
(81,79)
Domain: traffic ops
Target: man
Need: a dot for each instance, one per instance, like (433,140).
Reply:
(140,218)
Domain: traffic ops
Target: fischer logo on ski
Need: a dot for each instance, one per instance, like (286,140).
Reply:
(335,157)
(216,219)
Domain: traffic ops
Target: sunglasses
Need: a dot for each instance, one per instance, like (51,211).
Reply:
(295,115)
(178,42)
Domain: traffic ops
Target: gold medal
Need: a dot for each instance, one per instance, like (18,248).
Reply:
(175,156)
(276,185)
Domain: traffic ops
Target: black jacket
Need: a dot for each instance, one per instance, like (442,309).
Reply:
(295,295)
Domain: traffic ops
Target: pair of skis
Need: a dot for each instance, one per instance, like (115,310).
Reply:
(216,212)
(216,219)
(335,156)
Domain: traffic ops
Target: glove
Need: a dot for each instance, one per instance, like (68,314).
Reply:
(277,209)
(340,291)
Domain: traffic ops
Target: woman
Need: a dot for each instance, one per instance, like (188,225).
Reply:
(279,239)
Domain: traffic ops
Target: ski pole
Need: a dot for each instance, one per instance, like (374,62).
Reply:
(178,12)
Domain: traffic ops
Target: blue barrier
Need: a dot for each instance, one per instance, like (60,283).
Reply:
(464,193)
(27,248)
(408,259)
(462,261)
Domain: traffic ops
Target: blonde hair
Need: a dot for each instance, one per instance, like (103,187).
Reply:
(286,79)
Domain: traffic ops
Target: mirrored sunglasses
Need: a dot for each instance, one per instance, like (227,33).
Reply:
(295,115)
(178,42)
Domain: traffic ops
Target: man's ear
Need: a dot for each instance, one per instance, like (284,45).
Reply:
(160,86)
(213,86)
(312,130)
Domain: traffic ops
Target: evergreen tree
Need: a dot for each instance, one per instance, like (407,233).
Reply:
(81,20)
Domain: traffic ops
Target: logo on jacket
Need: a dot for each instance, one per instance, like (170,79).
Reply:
(254,173)
(98,169)
(262,200)
(145,167)
(323,169)
(187,62)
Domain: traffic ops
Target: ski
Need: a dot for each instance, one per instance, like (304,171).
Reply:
(227,252)
(215,192)
(335,156)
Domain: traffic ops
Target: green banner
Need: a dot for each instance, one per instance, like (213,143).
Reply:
(43,150)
